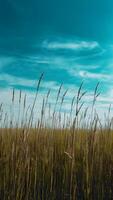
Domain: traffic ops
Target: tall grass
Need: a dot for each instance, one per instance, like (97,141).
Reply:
(72,159)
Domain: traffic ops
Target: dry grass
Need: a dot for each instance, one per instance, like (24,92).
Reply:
(39,166)
(44,163)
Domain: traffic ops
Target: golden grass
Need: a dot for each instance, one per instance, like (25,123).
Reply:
(44,163)
(39,166)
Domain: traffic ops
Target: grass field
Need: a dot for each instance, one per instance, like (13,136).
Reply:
(63,163)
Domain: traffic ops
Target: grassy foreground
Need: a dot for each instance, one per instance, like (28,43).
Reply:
(57,162)
(41,166)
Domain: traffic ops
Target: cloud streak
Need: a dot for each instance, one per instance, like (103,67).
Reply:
(75,45)
(86,74)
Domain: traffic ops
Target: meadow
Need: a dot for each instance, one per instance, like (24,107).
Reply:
(41,162)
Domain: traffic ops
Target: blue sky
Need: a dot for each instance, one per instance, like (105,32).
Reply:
(68,40)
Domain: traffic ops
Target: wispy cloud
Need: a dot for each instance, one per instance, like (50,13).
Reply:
(90,75)
(13,81)
(75,45)
(86,74)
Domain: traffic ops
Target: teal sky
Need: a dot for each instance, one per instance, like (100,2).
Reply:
(68,40)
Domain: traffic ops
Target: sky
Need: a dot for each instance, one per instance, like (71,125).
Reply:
(70,41)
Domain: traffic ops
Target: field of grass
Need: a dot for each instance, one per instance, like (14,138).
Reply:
(63,163)
(42,165)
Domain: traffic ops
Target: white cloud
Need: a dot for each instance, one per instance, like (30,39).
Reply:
(86,74)
(75,45)
(13,80)
(90,75)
